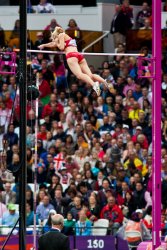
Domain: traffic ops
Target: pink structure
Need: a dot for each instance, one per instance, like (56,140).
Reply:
(8,59)
(156,123)
(156,127)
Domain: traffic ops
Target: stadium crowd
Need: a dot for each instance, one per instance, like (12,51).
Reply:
(94,153)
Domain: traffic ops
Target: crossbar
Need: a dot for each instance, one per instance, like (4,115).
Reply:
(83,53)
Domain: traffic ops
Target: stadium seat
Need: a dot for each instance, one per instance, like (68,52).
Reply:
(100,227)
(32,186)
(5,230)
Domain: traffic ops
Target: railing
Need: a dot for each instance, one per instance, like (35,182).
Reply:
(97,40)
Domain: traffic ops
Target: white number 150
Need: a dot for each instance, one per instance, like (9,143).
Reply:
(95,243)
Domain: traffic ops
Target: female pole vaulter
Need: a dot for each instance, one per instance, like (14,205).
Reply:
(75,60)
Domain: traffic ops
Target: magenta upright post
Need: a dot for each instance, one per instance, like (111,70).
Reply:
(156,122)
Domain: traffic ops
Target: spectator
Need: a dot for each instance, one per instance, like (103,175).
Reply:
(130,85)
(113,213)
(128,205)
(142,198)
(29,198)
(44,89)
(85,189)
(74,31)
(52,25)
(40,196)
(30,44)
(89,178)
(83,225)
(134,112)
(70,145)
(2,38)
(8,196)
(3,209)
(10,136)
(137,92)
(44,7)
(134,224)
(128,11)
(5,175)
(53,108)
(164,86)
(54,180)
(30,8)
(55,237)
(119,26)
(148,218)
(147,25)
(59,72)
(76,208)
(14,37)
(102,197)
(72,25)
(57,201)
(69,224)
(101,109)
(47,224)
(41,173)
(94,208)
(47,73)
(10,217)
(39,40)
(165,6)
(144,13)
(44,208)
(5,113)
(30,216)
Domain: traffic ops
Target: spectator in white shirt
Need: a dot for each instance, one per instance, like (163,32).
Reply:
(44,7)
(8,196)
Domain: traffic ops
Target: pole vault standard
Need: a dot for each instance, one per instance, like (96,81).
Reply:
(156,125)
(35,164)
(23,124)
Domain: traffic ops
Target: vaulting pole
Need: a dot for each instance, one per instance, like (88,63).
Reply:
(156,123)
(23,124)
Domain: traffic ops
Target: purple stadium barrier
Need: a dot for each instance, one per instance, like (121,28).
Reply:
(79,242)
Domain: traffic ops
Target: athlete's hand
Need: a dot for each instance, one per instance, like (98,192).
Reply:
(41,46)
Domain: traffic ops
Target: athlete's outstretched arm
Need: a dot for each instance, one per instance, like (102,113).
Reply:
(48,45)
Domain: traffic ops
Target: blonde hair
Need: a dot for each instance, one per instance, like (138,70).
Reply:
(56,32)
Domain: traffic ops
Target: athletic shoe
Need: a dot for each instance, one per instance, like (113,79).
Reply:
(96,88)
(109,86)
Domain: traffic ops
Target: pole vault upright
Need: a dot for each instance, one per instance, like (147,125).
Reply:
(23,124)
(156,123)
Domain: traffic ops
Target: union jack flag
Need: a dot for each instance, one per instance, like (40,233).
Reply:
(58,161)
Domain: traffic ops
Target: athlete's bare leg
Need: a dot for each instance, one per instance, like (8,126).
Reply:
(77,71)
(85,69)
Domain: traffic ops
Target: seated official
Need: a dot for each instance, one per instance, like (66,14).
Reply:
(83,225)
